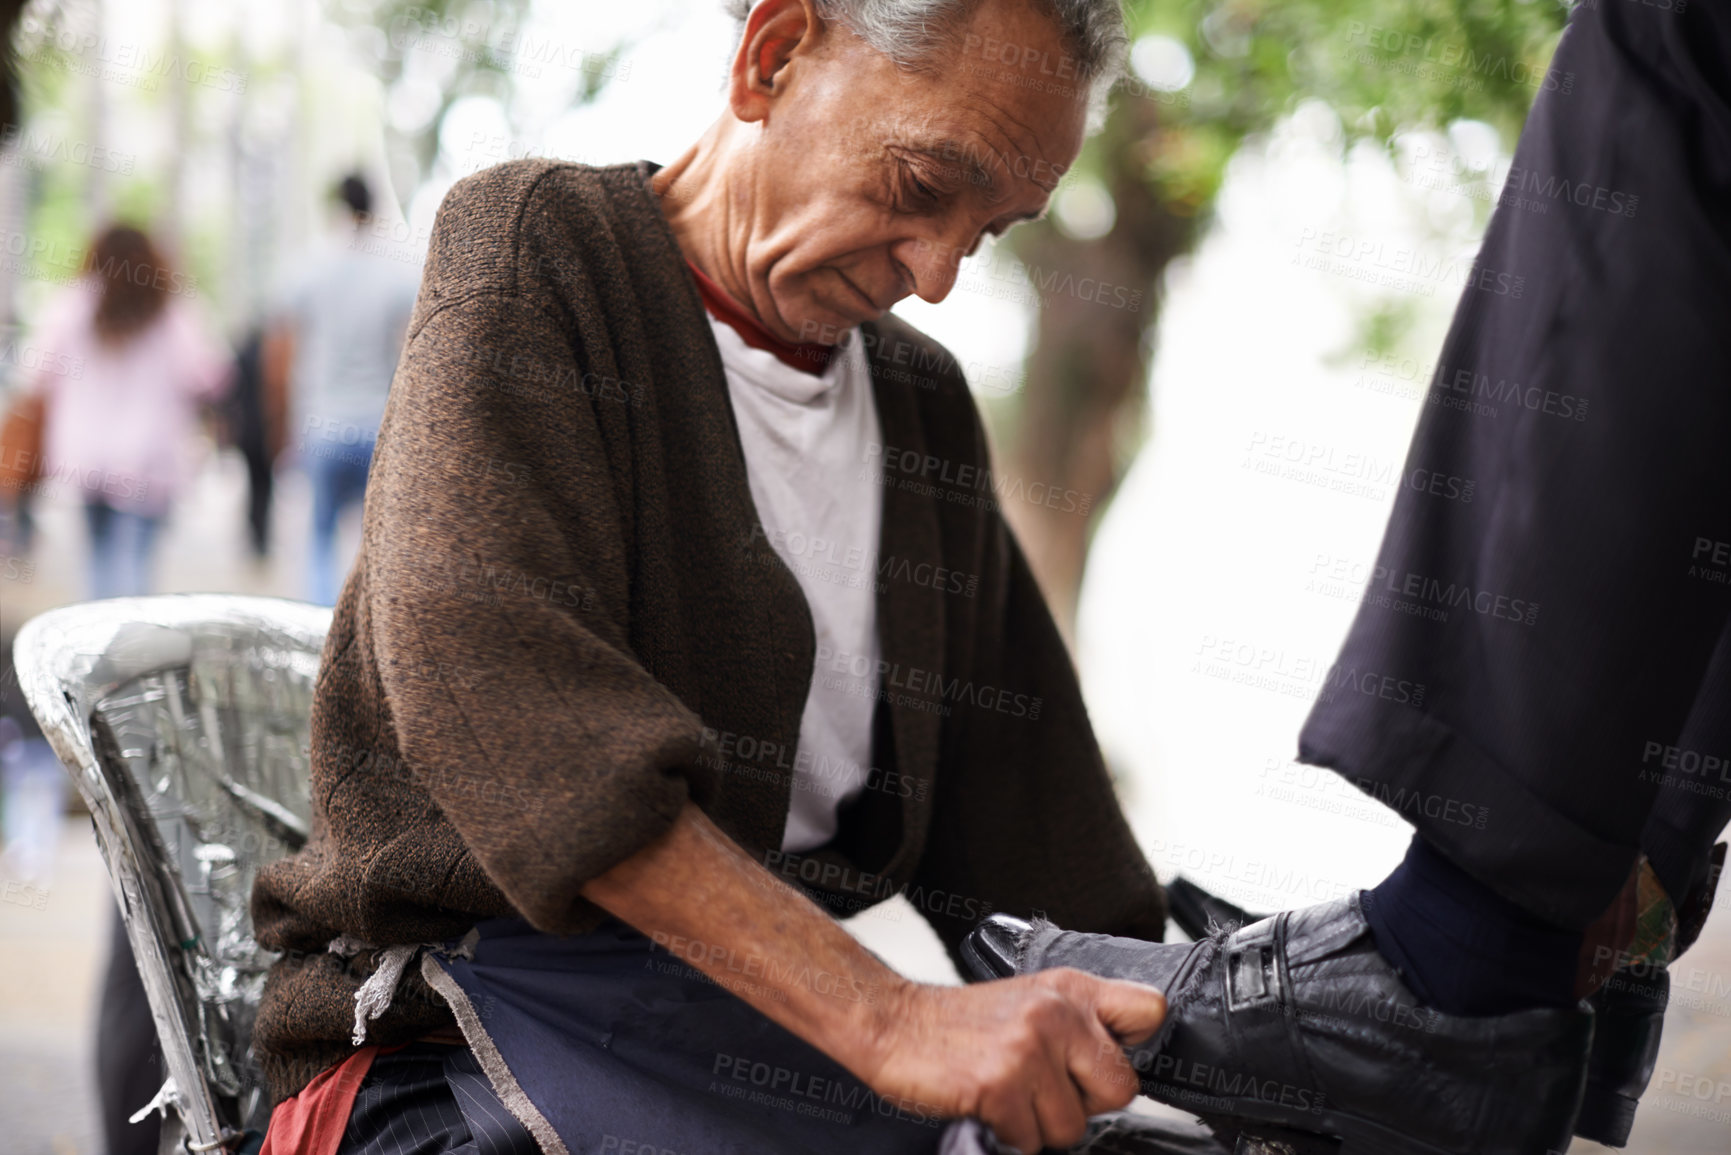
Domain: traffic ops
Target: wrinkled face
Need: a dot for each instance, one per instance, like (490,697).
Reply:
(870,183)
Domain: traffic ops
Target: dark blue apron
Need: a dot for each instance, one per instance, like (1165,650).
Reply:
(620,1047)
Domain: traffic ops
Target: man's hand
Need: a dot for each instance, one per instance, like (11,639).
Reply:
(1032,1057)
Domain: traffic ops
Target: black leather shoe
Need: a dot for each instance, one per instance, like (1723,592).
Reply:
(1628,1018)
(1295,1030)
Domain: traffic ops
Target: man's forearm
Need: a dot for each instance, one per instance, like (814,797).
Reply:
(1032,1056)
(696,891)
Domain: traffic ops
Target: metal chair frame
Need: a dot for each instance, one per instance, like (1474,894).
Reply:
(183,720)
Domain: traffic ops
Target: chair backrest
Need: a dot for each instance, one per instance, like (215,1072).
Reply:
(183,719)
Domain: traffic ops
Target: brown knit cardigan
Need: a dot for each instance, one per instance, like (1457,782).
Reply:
(565,620)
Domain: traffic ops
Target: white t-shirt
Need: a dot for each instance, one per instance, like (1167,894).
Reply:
(819,498)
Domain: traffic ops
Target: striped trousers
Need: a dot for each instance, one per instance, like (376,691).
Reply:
(428,1099)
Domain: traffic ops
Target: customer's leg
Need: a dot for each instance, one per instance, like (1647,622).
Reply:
(1538,612)
(1564,524)
(1462,947)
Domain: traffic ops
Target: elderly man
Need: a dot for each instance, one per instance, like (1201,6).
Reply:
(684,621)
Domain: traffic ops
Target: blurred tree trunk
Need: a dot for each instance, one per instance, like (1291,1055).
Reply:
(11,116)
(11,172)
(98,194)
(14,216)
(243,299)
(173,223)
(1080,416)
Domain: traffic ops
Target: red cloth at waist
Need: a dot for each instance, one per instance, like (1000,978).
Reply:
(313,1122)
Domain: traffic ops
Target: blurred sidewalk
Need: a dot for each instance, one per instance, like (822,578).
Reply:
(51,958)
(50,963)
(203,546)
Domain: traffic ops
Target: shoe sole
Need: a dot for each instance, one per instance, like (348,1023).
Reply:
(1265,1140)
(1607,1116)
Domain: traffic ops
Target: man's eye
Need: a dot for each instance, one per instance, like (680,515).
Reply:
(920,191)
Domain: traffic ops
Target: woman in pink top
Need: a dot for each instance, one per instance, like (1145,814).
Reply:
(123,429)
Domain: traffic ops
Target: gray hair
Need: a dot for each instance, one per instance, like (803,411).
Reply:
(911,32)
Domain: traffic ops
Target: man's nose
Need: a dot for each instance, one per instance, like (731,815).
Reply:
(933,263)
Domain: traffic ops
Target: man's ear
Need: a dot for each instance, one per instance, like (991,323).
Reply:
(775,31)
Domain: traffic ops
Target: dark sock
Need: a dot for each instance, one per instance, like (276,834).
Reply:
(1463,948)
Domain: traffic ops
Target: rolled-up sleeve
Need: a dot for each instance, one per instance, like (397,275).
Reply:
(497,594)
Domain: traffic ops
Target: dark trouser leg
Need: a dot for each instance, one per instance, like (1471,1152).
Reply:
(427,1099)
(129,1068)
(1548,593)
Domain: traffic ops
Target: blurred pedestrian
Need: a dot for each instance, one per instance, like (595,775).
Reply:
(123,429)
(337,337)
(255,421)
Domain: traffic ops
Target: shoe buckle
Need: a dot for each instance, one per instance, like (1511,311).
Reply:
(1252,978)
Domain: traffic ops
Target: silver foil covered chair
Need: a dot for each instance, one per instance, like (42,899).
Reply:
(183,720)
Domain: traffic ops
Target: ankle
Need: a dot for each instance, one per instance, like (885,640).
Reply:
(1463,948)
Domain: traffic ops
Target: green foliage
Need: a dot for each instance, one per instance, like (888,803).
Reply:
(1172,128)
(1381,328)
(139,200)
(56,223)
(475,37)
(60,223)
(1383,65)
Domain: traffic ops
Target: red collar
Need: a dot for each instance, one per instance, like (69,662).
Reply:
(813,359)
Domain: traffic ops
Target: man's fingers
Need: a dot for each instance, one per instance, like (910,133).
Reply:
(1062,1120)
(1100,1071)
(1058,1098)
(1032,1057)
(1131,1011)
(1009,1112)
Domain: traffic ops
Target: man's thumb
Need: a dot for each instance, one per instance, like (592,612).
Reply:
(1131,1011)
